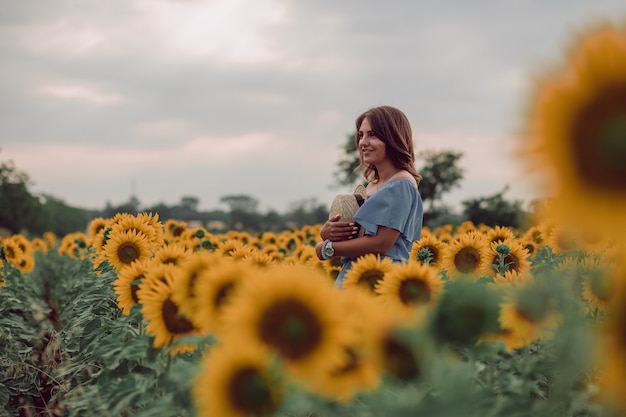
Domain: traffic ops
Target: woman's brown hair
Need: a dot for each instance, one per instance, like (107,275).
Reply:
(392,127)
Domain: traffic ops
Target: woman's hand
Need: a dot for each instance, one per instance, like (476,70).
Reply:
(336,230)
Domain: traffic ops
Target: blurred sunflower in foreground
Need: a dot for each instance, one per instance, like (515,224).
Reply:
(578,127)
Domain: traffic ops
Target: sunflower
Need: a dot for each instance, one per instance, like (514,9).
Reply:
(578,120)
(531,247)
(570,275)
(598,285)
(173,229)
(593,242)
(290,310)
(11,251)
(23,243)
(39,245)
(26,263)
(412,287)
(465,257)
(148,225)
(75,245)
(238,381)
(506,255)
(499,234)
(127,283)
(367,321)
(213,290)
(165,322)
(466,227)
(187,277)
(530,314)
(173,253)
(242,252)
(511,276)
(563,240)
(332,267)
(269,238)
(304,253)
(274,251)
(260,259)
(435,249)
(535,234)
(97,225)
(50,239)
(367,271)
(225,248)
(124,248)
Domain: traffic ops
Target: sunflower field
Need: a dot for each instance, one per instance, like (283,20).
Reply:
(140,317)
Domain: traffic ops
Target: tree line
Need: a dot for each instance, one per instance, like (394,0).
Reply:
(23,212)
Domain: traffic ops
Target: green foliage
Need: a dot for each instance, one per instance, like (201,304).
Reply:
(346,173)
(495,210)
(19,210)
(440,174)
(66,349)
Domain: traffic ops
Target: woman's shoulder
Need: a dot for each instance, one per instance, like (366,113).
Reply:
(405,175)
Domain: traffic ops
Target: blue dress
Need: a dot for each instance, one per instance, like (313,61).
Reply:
(397,205)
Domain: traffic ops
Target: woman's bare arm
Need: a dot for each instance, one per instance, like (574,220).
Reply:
(380,243)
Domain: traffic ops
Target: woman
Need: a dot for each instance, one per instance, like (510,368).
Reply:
(392,213)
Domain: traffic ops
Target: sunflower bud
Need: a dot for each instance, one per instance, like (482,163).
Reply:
(425,256)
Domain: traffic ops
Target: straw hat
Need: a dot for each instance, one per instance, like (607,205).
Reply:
(348,204)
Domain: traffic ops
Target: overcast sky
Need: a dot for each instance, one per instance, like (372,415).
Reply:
(207,98)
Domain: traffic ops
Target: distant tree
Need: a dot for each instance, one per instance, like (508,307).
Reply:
(164,211)
(307,211)
(495,210)
(346,173)
(190,203)
(243,212)
(132,206)
(62,219)
(440,174)
(273,221)
(20,211)
(240,202)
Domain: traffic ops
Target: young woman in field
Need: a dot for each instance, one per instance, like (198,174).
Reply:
(392,214)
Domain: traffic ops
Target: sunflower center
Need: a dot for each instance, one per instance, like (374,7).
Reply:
(175,323)
(9,253)
(128,252)
(400,360)
(170,260)
(291,328)
(221,295)
(601,285)
(599,140)
(370,278)
(414,291)
(134,287)
(250,393)
(191,284)
(532,307)
(467,260)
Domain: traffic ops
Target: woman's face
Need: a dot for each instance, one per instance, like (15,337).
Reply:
(373,150)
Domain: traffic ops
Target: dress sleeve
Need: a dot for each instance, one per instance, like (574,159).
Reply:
(398,205)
